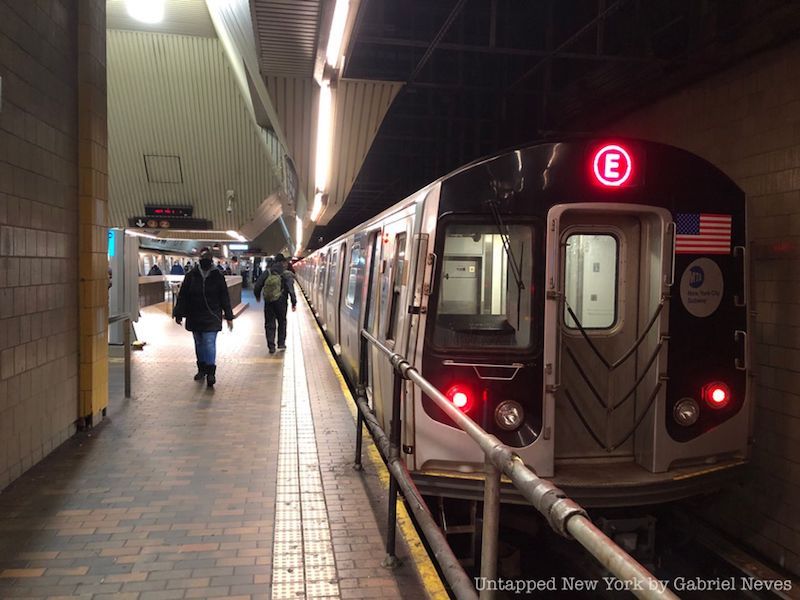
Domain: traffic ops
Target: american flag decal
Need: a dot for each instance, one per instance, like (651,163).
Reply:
(702,234)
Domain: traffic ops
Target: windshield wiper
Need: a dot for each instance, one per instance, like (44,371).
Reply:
(502,229)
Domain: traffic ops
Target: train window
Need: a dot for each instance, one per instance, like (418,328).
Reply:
(356,263)
(481,302)
(323,270)
(398,279)
(333,271)
(590,277)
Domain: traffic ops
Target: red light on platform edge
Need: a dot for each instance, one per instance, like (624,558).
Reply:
(460,396)
(717,395)
(612,165)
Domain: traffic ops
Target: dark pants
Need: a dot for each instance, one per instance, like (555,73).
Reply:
(275,311)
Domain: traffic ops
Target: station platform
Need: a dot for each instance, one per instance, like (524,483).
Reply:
(242,491)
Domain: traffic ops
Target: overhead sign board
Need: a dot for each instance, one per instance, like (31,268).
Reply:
(169,223)
(153,210)
(238,246)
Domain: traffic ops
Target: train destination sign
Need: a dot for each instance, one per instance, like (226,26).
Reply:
(612,165)
(148,222)
(152,210)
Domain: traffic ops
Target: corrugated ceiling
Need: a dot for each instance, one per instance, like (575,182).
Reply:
(176,95)
(287,31)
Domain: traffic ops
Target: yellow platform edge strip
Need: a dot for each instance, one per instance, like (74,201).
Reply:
(422,562)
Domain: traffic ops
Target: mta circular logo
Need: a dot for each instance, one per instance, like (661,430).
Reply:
(696,277)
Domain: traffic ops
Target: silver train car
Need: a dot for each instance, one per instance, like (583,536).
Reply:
(584,300)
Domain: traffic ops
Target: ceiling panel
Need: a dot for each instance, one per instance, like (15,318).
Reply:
(176,95)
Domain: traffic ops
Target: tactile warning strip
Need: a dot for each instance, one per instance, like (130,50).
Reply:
(303,563)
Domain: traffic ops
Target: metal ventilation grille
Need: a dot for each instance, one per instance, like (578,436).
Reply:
(286,31)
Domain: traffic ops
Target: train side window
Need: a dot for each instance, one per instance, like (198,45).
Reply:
(323,271)
(591,269)
(333,271)
(398,277)
(356,263)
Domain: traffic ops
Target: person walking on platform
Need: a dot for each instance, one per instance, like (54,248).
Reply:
(203,301)
(278,286)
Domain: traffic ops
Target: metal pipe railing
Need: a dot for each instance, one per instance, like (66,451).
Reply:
(563,514)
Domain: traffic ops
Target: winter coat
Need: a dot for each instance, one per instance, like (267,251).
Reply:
(286,277)
(203,302)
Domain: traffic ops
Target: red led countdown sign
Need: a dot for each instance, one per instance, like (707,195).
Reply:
(612,165)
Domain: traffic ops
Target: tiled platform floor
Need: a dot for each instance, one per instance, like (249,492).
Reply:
(174,495)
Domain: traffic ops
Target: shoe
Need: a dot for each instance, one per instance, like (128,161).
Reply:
(272,350)
(281,348)
(211,375)
(201,371)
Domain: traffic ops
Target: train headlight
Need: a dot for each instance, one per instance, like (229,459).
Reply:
(508,415)
(686,412)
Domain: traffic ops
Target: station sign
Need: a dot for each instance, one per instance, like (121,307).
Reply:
(152,210)
(169,223)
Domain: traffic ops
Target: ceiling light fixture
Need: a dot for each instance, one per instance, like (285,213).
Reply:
(236,235)
(337,32)
(324,125)
(146,11)
(298,235)
(319,204)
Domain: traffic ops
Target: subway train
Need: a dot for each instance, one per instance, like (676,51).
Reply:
(584,300)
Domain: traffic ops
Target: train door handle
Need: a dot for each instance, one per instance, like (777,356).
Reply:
(742,364)
(673,229)
(738,300)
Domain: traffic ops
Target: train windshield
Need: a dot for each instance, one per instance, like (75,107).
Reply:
(480,303)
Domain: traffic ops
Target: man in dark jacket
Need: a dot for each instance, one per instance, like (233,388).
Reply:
(203,300)
(276,302)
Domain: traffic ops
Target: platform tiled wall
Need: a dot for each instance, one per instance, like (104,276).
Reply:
(38,230)
(747,122)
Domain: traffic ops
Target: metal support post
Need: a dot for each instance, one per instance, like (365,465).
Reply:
(126,340)
(391,560)
(491,527)
(359,436)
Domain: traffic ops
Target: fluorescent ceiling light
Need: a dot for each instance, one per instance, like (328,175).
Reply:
(298,234)
(317,207)
(324,125)
(134,233)
(146,11)
(337,32)
(236,235)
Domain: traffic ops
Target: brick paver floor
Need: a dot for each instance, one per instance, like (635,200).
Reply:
(174,495)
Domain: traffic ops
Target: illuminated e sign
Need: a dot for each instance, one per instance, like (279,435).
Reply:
(612,165)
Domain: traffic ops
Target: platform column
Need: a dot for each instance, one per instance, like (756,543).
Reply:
(93,210)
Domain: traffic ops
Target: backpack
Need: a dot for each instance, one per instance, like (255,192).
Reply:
(273,287)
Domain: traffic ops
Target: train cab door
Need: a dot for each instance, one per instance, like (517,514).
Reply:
(333,294)
(605,313)
(392,284)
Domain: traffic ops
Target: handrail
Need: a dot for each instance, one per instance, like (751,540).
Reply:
(563,514)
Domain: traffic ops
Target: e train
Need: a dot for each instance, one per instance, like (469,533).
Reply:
(584,300)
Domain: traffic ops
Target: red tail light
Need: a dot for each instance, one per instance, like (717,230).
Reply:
(460,396)
(717,395)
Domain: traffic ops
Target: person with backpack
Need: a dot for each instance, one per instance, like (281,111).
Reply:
(203,301)
(277,285)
